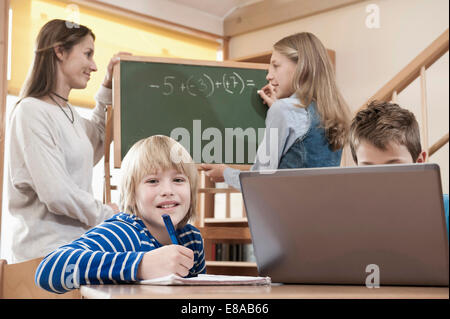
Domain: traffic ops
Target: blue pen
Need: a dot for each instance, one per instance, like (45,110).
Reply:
(170,228)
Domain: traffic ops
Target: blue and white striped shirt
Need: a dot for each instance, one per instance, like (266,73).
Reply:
(110,253)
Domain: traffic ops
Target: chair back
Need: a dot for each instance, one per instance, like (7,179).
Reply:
(17,282)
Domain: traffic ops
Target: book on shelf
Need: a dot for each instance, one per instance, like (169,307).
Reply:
(213,251)
(248,254)
(225,251)
(233,252)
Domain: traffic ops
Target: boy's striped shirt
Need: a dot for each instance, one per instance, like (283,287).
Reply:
(110,253)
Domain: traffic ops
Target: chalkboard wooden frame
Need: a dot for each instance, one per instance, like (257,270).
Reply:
(116,88)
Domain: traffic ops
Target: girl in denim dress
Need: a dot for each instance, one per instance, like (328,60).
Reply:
(308,119)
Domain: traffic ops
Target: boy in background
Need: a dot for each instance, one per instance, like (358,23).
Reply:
(385,133)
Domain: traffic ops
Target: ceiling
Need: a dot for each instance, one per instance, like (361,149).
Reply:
(241,16)
(217,8)
(223,18)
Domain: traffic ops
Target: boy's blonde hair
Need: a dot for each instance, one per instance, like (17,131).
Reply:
(314,80)
(149,155)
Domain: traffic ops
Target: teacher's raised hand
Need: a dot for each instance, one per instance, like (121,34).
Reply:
(107,82)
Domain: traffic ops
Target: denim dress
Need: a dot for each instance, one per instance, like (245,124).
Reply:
(311,149)
(301,141)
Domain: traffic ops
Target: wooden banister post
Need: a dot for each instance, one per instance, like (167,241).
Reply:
(394,97)
(107,169)
(200,218)
(209,199)
(424,108)
(228,204)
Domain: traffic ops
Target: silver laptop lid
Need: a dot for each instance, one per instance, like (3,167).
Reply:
(331,225)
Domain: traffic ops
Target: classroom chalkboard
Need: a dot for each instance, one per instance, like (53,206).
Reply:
(211,108)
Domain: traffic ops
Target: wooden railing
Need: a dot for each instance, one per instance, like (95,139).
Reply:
(417,67)
(436,146)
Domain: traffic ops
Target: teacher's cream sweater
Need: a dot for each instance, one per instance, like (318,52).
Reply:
(50,175)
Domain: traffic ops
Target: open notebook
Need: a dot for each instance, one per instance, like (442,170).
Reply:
(206,280)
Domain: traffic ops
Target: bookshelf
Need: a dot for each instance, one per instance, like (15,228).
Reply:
(230,232)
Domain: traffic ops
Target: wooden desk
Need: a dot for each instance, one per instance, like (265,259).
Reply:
(275,291)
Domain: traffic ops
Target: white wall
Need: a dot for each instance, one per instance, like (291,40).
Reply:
(368,58)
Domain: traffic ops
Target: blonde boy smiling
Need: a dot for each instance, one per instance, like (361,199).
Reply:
(135,245)
(165,192)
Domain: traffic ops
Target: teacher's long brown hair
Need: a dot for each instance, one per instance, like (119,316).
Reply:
(41,78)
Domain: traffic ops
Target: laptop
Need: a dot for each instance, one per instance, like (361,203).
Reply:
(343,225)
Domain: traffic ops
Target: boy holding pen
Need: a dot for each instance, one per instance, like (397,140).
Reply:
(385,133)
(140,243)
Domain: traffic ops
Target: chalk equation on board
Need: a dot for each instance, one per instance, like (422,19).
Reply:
(203,85)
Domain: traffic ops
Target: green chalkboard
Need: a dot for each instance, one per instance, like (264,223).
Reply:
(211,108)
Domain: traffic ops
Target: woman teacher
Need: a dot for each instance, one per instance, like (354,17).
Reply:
(52,148)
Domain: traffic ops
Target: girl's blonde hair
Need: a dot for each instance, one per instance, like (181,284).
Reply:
(41,78)
(314,80)
(148,156)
